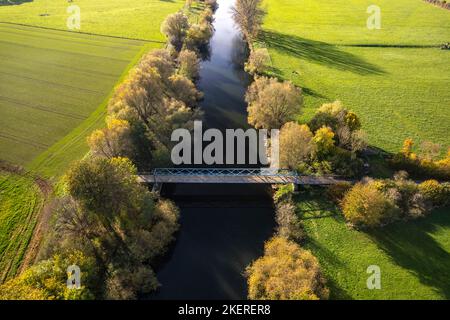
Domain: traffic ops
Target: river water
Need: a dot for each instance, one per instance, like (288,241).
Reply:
(223,227)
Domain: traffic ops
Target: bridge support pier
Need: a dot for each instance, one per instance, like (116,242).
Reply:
(157,187)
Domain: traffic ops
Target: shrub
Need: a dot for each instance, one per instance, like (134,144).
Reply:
(343,162)
(435,193)
(422,166)
(285,272)
(365,205)
(284,193)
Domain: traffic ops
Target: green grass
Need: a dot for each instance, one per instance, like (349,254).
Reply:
(20,202)
(52,83)
(140,19)
(414,256)
(398,91)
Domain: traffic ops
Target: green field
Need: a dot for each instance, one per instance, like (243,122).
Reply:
(20,202)
(414,256)
(395,78)
(53,82)
(139,19)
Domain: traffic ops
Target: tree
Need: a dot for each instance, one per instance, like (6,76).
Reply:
(184,90)
(126,225)
(112,141)
(47,279)
(175,27)
(248,15)
(407,147)
(160,60)
(285,272)
(288,224)
(258,61)
(271,103)
(365,205)
(324,140)
(189,64)
(296,145)
(198,35)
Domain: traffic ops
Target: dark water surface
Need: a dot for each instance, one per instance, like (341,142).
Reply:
(223,227)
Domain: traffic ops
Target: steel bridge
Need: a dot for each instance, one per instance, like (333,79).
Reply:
(232,175)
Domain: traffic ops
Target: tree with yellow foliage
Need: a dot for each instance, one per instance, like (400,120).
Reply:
(272,103)
(112,141)
(285,272)
(296,145)
(324,140)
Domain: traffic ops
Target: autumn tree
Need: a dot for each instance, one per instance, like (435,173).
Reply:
(47,279)
(288,224)
(272,103)
(112,141)
(189,64)
(122,219)
(198,35)
(345,125)
(324,141)
(365,205)
(175,27)
(285,272)
(184,90)
(248,15)
(258,61)
(296,145)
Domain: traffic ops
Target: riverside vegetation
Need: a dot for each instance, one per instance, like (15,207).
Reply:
(104,221)
(331,141)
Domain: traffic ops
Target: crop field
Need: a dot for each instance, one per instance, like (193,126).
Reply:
(395,78)
(413,256)
(140,19)
(52,83)
(20,202)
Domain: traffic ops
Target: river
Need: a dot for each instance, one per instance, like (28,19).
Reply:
(223,227)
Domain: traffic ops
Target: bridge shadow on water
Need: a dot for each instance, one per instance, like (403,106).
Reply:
(223,229)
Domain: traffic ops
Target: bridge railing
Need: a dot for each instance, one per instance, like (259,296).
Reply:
(267,172)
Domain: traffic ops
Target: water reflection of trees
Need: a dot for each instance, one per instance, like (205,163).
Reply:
(239,55)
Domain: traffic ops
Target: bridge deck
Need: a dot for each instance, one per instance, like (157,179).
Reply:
(246,179)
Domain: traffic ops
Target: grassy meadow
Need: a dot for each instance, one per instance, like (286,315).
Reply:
(414,256)
(20,202)
(140,19)
(395,78)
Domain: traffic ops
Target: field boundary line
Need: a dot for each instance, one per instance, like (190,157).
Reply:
(81,32)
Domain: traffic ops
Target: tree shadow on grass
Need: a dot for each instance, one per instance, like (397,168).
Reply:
(327,256)
(318,52)
(410,245)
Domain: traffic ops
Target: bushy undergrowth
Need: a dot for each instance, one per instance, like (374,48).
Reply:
(373,203)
